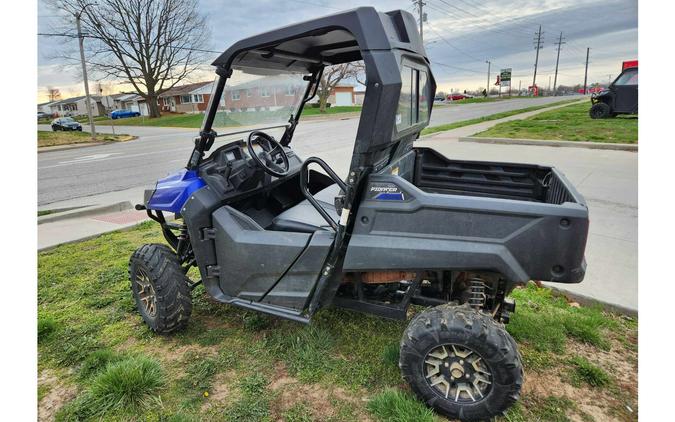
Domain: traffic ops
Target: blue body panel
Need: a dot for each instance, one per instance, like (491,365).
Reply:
(172,191)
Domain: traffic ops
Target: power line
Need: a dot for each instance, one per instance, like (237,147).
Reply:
(201,50)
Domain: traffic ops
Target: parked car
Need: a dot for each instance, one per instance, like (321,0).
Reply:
(43,115)
(124,113)
(439,99)
(65,123)
(458,96)
(620,98)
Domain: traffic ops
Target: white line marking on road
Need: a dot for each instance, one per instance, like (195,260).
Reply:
(108,157)
(87,158)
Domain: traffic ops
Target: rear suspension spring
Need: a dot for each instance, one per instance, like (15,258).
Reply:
(477,296)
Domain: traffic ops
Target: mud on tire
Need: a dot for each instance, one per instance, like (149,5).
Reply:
(442,327)
(154,271)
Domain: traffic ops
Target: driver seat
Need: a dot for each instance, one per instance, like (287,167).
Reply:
(304,217)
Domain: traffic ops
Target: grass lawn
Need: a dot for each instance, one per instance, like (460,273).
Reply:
(50,139)
(487,100)
(450,126)
(571,123)
(98,361)
(195,120)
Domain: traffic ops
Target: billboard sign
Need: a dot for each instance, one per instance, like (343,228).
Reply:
(505,77)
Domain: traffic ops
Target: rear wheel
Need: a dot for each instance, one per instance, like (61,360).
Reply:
(160,288)
(599,111)
(461,362)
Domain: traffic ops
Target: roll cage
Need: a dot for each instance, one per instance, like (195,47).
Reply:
(388,43)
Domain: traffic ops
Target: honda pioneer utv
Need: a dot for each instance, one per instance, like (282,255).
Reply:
(405,226)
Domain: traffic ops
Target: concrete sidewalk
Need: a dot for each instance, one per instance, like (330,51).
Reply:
(86,227)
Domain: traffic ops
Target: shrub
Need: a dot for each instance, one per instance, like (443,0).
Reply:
(126,385)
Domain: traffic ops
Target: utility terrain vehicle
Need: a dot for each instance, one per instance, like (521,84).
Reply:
(405,226)
(620,98)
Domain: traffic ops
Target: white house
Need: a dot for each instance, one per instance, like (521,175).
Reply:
(77,106)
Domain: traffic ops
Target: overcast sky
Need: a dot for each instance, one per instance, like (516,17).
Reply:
(460,35)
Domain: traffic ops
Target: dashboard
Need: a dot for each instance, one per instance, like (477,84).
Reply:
(230,170)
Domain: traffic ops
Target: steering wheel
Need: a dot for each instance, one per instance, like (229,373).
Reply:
(272,158)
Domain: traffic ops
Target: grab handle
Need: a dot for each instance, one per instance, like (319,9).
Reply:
(304,178)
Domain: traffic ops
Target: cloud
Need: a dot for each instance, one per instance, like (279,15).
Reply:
(461,34)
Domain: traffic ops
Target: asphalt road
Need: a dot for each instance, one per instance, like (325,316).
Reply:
(83,172)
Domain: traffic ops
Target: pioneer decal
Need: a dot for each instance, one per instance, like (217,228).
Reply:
(385,192)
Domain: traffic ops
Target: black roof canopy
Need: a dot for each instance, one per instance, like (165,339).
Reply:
(332,39)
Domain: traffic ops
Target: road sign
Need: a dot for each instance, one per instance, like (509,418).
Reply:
(505,77)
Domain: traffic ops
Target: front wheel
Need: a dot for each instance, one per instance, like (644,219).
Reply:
(599,111)
(461,362)
(160,288)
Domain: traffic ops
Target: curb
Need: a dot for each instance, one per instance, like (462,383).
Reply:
(89,237)
(589,301)
(72,146)
(551,143)
(82,212)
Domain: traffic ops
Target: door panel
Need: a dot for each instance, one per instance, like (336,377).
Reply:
(626,89)
(252,261)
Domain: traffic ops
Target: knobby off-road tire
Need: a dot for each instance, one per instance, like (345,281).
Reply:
(458,330)
(599,111)
(154,271)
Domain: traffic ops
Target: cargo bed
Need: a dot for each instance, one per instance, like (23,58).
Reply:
(523,182)
(524,221)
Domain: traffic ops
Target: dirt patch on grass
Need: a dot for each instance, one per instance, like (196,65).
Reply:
(590,403)
(320,399)
(221,391)
(59,394)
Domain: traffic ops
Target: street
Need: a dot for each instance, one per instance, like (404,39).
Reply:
(83,172)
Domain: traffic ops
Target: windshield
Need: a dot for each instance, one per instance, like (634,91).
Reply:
(67,120)
(253,100)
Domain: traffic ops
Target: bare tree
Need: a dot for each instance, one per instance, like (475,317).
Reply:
(153,44)
(332,76)
(53,94)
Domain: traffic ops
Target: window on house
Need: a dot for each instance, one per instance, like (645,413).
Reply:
(249,93)
(236,95)
(197,98)
(264,92)
(290,90)
(184,99)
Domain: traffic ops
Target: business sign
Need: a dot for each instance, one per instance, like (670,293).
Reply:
(505,77)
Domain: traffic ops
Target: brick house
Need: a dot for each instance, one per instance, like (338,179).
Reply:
(275,94)
(190,98)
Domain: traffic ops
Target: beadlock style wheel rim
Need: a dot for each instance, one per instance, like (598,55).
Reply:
(146,292)
(457,373)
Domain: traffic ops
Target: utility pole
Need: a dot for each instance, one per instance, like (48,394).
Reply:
(487,89)
(588,50)
(423,16)
(538,44)
(557,60)
(609,79)
(549,84)
(80,38)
